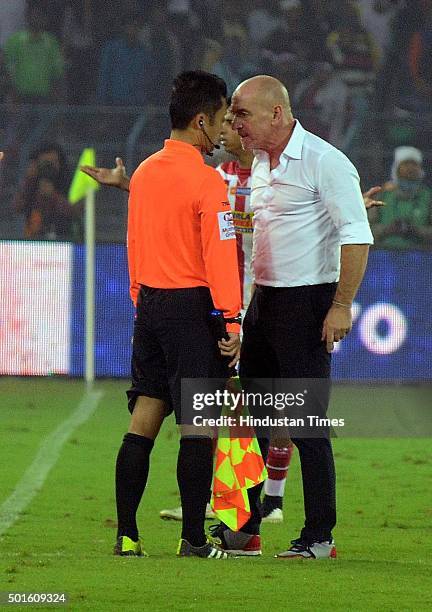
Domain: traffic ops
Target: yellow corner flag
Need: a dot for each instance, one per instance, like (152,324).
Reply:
(238,467)
(82,183)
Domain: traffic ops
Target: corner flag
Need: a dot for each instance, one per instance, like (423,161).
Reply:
(82,183)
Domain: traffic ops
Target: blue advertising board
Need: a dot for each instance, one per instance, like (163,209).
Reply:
(391,338)
(114,312)
(392,333)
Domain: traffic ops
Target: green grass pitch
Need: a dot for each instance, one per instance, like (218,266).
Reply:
(63,539)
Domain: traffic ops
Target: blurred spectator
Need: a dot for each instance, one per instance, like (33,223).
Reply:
(282,52)
(212,54)
(330,14)
(12,18)
(377,17)
(417,96)
(353,52)
(278,60)
(286,52)
(54,11)
(315,29)
(209,13)
(228,61)
(163,45)
(406,220)
(234,23)
(392,79)
(185,27)
(263,19)
(324,98)
(105,20)
(43,197)
(320,23)
(127,71)
(79,45)
(34,61)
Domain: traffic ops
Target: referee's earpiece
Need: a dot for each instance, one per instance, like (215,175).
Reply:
(214,144)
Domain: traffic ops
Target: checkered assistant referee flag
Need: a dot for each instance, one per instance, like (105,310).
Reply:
(238,467)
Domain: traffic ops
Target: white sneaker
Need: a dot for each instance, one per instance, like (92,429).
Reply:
(173,514)
(317,550)
(275,516)
(176,514)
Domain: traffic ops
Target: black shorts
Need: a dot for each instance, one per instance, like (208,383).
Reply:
(173,340)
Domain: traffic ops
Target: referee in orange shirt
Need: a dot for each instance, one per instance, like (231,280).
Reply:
(182,265)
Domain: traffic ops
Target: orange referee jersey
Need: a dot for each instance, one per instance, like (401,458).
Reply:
(180,229)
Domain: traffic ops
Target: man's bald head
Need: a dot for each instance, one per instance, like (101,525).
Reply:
(267,89)
(262,113)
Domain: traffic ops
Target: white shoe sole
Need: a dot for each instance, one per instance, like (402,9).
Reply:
(273,521)
(244,553)
(169,517)
(332,555)
(275,516)
(176,515)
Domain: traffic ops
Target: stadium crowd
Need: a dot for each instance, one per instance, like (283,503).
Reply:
(358,71)
(81,48)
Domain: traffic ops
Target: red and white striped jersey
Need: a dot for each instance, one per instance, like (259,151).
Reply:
(238,181)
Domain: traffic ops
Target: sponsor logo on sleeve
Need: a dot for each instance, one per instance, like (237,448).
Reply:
(243,221)
(226,226)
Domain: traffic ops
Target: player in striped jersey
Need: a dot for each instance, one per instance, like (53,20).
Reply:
(237,176)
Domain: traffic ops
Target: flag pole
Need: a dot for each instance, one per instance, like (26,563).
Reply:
(83,187)
(89,285)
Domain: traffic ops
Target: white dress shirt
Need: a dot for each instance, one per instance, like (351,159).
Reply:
(304,210)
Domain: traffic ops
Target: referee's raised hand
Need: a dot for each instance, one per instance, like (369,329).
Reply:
(230,348)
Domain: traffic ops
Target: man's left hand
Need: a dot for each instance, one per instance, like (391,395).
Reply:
(337,325)
(369,198)
(230,348)
(115,177)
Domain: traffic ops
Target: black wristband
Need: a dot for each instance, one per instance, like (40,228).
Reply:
(236,319)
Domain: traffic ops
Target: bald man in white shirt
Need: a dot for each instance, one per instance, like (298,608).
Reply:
(310,249)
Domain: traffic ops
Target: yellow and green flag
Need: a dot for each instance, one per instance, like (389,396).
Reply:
(238,467)
(82,183)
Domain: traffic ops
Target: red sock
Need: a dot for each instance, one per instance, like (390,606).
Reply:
(278,461)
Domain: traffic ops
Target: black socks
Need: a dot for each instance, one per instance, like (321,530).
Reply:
(131,477)
(194,474)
